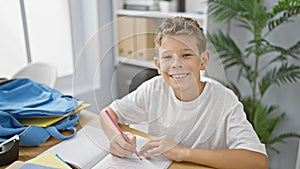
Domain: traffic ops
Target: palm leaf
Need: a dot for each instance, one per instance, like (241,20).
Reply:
(264,85)
(228,51)
(282,75)
(245,24)
(274,121)
(265,125)
(285,8)
(259,20)
(271,109)
(259,46)
(255,18)
(248,108)
(295,48)
(225,10)
(282,6)
(272,148)
(284,53)
(266,47)
(281,137)
(261,122)
(286,74)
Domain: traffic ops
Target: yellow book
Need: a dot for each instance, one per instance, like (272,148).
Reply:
(49,160)
(47,121)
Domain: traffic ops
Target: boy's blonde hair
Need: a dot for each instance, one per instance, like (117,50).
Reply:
(180,26)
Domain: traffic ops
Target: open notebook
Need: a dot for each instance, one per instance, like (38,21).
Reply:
(88,149)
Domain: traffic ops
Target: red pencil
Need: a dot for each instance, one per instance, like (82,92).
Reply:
(121,132)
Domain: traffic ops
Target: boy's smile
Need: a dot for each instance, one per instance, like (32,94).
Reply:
(179,63)
(179,76)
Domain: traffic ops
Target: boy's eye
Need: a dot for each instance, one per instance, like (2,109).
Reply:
(167,56)
(187,55)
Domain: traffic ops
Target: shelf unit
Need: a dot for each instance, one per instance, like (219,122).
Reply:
(200,17)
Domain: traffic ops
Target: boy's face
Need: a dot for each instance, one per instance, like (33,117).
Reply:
(179,62)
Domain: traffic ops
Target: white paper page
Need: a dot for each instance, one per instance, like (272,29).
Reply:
(132,162)
(85,150)
(156,162)
(89,149)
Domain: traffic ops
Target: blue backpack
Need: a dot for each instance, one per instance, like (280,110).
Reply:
(23,98)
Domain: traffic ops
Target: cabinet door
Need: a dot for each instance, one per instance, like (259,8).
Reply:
(145,33)
(12,42)
(126,33)
(135,37)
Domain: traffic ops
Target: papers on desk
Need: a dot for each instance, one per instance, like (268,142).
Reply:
(89,149)
(156,162)
(45,121)
(48,160)
(44,161)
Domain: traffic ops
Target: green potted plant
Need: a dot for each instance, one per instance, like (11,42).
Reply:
(282,68)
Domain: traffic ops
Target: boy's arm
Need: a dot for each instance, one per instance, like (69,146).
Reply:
(108,127)
(118,146)
(229,158)
(226,158)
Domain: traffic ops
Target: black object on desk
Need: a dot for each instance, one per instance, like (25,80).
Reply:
(9,150)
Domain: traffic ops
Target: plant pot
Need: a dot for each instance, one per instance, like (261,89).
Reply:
(164,6)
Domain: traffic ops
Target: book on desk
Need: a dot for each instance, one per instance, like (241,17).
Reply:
(89,149)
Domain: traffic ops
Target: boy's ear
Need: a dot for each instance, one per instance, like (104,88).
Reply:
(205,56)
(157,64)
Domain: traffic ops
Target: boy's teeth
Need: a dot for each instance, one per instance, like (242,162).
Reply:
(179,76)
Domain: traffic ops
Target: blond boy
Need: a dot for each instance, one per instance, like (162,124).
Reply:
(192,120)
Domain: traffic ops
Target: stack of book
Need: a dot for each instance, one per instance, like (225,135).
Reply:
(46,121)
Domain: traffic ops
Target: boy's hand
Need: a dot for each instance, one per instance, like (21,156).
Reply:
(120,148)
(166,146)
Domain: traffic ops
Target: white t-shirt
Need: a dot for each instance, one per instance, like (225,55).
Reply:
(214,120)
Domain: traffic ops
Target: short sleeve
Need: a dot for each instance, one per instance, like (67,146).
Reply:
(240,133)
(132,108)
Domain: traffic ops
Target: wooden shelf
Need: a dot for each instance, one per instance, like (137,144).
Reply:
(158,14)
(142,63)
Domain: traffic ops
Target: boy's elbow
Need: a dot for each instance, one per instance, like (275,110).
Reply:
(102,116)
(263,164)
(102,112)
(257,161)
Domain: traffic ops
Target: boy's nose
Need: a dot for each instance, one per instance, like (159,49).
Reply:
(177,63)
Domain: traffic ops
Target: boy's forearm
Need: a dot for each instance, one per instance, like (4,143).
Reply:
(231,158)
(108,127)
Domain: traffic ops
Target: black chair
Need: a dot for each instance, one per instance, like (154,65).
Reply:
(141,77)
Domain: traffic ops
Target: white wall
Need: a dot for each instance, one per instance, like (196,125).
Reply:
(93,42)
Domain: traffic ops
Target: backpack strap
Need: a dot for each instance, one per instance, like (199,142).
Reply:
(52,130)
(68,123)
(33,136)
